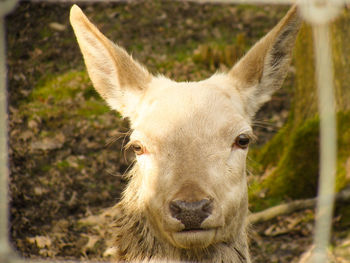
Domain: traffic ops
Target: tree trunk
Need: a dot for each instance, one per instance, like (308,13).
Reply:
(292,156)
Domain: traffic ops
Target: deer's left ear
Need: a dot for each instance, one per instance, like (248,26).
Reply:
(262,70)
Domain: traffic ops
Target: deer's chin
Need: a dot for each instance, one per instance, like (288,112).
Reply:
(194,238)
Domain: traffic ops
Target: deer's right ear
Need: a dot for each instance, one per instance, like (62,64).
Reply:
(119,79)
(262,70)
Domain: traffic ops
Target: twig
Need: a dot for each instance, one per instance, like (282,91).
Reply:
(293,206)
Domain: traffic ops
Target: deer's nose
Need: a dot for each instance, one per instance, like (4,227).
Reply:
(191,214)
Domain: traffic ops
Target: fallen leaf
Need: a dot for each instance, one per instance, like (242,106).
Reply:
(40,241)
(91,242)
(49,143)
(46,144)
(109,252)
(57,26)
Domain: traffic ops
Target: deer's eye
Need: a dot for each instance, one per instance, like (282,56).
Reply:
(242,141)
(138,148)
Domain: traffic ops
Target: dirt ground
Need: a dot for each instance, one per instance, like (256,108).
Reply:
(67,164)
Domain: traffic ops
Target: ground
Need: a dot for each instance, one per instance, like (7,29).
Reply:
(66,148)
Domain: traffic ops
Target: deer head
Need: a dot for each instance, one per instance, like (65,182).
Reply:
(190,138)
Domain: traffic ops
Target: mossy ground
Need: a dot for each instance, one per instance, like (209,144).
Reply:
(52,95)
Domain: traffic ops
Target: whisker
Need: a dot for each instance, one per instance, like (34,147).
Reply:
(240,255)
(249,158)
(112,140)
(116,137)
(124,139)
(113,173)
(253,161)
(249,172)
(263,123)
(253,138)
(128,168)
(263,126)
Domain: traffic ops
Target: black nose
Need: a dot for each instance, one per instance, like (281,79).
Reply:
(191,214)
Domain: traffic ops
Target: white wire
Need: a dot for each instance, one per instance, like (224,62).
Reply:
(3,146)
(328,145)
(5,7)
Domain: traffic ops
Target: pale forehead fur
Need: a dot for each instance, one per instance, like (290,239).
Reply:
(189,107)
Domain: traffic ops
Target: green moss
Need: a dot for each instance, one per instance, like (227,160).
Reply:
(257,201)
(296,169)
(216,53)
(344,211)
(45,133)
(297,172)
(61,87)
(52,98)
(343,120)
(270,153)
(91,108)
(62,165)
(341,180)
(305,96)
(45,168)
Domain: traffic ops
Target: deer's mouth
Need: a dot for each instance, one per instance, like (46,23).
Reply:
(193,230)
(195,237)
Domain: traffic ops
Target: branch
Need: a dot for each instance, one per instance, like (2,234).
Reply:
(288,208)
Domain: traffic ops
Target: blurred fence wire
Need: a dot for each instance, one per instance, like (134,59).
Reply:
(5,7)
(319,13)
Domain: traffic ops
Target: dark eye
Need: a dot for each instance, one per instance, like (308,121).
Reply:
(242,141)
(138,148)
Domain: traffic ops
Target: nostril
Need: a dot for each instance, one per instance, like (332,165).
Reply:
(191,214)
(207,206)
(174,208)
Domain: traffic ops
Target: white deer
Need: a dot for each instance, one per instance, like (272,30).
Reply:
(187,196)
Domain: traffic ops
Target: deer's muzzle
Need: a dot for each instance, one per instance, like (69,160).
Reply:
(191,214)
